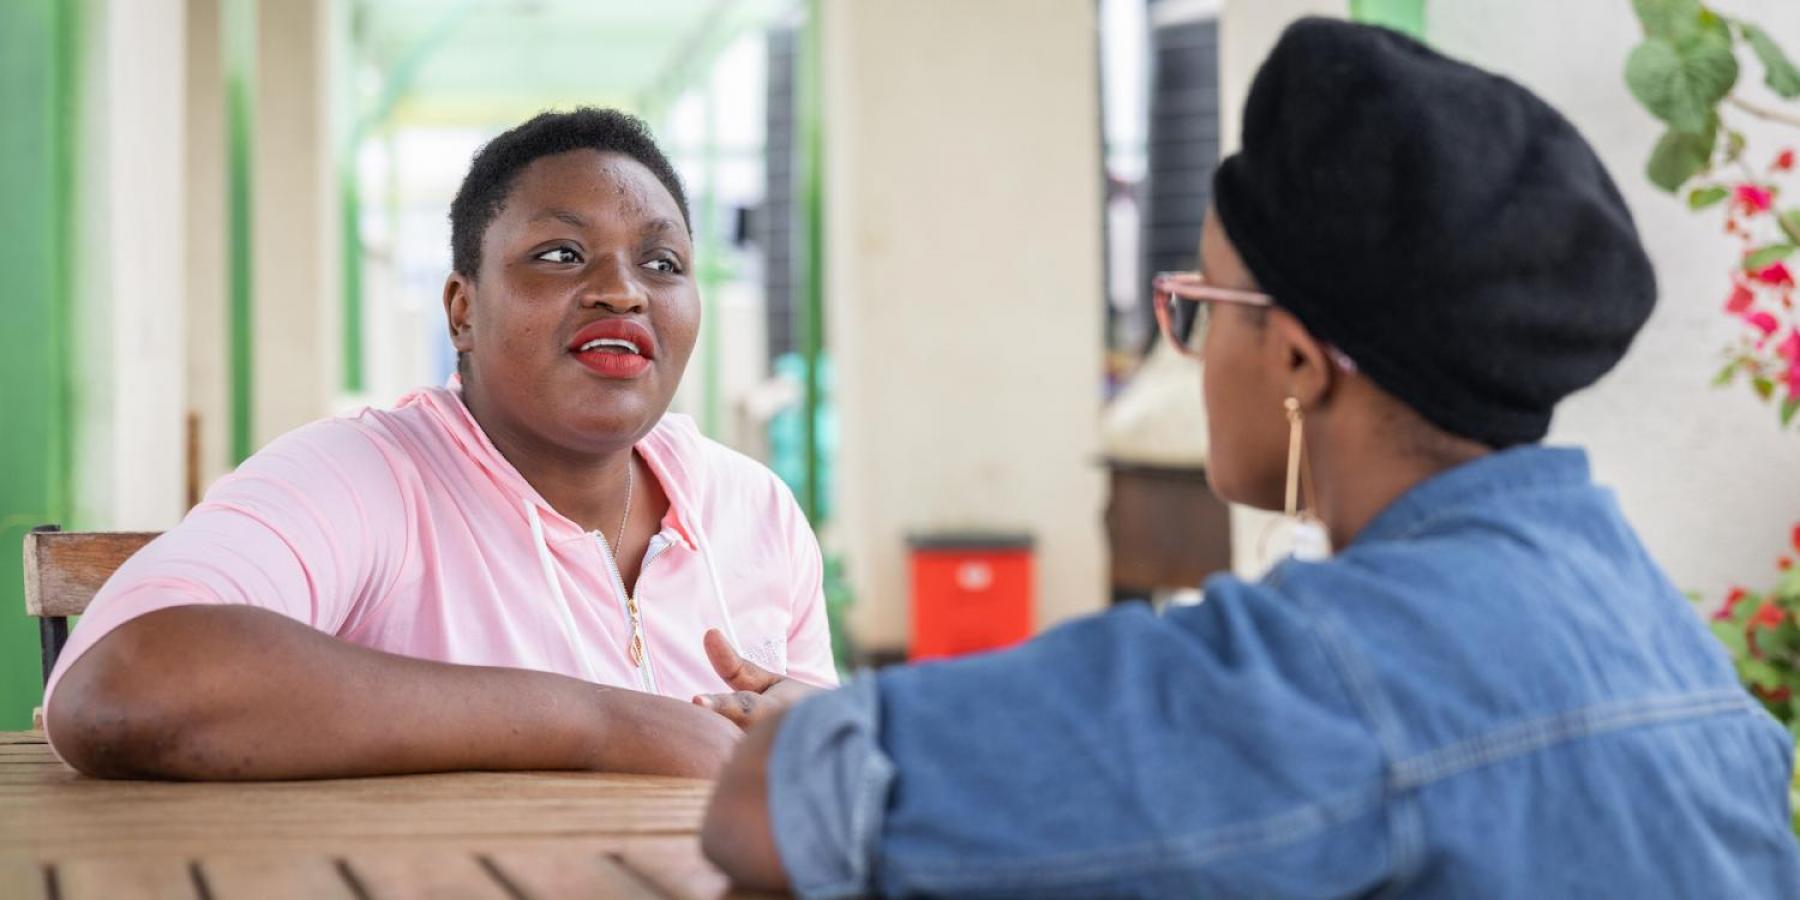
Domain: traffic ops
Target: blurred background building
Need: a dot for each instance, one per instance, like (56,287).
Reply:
(925,230)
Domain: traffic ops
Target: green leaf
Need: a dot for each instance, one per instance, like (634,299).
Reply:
(1783,711)
(1765,387)
(1728,373)
(1776,643)
(1681,81)
(1668,18)
(1764,257)
(1747,607)
(1778,72)
(1759,673)
(1677,158)
(1789,585)
(1790,224)
(1734,145)
(1732,636)
(1703,197)
(1788,409)
(1712,23)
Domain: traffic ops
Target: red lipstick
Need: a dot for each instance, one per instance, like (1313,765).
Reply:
(614,348)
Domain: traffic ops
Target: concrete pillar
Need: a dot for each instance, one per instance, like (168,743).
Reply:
(208,330)
(294,246)
(130,270)
(964,288)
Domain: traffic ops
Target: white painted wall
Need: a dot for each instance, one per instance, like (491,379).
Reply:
(131,266)
(1711,485)
(964,287)
(1702,473)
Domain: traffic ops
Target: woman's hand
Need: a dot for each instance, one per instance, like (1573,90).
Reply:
(757,692)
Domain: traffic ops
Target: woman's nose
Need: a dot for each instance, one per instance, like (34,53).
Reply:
(616,287)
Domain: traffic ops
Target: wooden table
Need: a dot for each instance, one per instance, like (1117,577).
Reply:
(507,836)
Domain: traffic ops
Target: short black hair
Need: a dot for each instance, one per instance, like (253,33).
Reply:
(498,163)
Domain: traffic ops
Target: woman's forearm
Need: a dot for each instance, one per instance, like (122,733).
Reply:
(230,692)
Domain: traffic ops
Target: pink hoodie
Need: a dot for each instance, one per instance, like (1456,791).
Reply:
(404,530)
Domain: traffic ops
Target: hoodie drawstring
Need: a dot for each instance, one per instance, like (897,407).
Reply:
(712,572)
(562,603)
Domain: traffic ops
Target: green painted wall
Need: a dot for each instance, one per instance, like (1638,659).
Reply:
(38,50)
(239,25)
(1401,15)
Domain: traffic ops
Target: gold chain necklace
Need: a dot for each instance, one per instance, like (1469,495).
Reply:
(612,549)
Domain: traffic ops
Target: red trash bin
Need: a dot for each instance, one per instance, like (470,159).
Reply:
(970,592)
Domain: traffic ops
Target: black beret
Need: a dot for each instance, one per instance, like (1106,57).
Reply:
(1441,225)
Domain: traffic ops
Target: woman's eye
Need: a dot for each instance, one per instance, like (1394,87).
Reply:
(559,255)
(663,265)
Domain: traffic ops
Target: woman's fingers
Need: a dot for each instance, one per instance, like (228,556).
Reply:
(738,672)
(741,707)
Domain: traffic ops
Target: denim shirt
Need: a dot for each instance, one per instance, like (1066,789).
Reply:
(1494,691)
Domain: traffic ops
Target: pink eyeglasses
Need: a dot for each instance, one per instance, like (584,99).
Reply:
(1183,307)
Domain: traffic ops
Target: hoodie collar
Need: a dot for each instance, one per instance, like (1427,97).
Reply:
(658,449)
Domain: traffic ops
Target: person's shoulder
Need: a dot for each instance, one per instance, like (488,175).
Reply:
(356,446)
(715,470)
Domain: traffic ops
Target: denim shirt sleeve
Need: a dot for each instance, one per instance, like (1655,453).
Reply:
(1211,750)
(828,784)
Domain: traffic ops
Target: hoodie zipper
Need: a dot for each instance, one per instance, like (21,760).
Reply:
(628,606)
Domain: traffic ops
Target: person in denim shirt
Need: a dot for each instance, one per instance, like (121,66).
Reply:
(1490,690)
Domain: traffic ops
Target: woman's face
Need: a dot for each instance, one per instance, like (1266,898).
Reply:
(1246,422)
(584,311)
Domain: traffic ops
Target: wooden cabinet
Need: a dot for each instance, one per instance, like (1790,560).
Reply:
(1164,528)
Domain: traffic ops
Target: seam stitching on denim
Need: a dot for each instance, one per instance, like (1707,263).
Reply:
(1538,734)
(1068,869)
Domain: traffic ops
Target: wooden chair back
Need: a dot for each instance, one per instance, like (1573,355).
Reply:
(63,572)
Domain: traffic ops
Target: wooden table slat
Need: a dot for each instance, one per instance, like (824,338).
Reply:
(274,877)
(508,836)
(424,876)
(22,877)
(537,873)
(163,878)
(677,868)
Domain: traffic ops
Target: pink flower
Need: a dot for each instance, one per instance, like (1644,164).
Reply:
(1790,348)
(1785,161)
(1790,351)
(1753,199)
(1777,274)
(1731,602)
(1768,616)
(1762,322)
(1739,301)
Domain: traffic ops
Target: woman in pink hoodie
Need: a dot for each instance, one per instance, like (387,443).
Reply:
(517,571)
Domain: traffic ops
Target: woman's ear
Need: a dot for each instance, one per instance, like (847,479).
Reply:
(1303,363)
(458,293)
